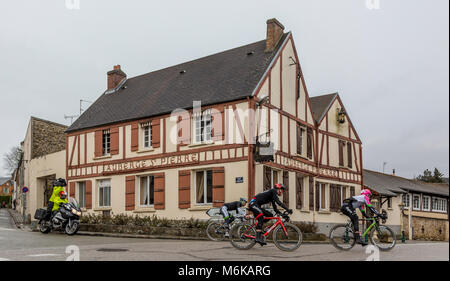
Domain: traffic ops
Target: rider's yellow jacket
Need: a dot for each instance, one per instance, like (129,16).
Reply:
(56,199)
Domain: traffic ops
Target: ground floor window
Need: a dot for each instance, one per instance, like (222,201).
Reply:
(146,191)
(104,193)
(322,196)
(82,194)
(203,187)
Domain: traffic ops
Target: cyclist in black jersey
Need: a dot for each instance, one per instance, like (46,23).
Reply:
(232,206)
(268,196)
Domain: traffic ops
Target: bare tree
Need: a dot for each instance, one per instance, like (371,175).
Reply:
(11,159)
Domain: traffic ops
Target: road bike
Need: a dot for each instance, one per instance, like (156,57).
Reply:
(216,230)
(286,236)
(342,236)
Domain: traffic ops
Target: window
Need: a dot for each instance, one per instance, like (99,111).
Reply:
(104,193)
(309,143)
(439,205)
(82,194)
(146,135)
(322,196)
(416,202)
(405,200)
(106,141)
(203,127)
(389,203)
(203,187)
(300,137)
(146,191)
(426,203)
(5,190)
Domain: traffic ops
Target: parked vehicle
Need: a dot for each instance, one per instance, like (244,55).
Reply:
(66,219)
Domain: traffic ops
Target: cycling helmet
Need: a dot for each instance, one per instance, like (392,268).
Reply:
(366,192)
(63,195)
(60,182)
(243,200)
(279,186)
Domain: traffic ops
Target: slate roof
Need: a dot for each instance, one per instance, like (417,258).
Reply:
(320,105)
(390,185)
(222,77)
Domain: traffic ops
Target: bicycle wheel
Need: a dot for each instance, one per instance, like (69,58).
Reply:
(289,242)
(342,237)
(216,231)
(383,237)
(242,236)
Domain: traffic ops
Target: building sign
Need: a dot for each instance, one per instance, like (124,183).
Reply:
(239,179)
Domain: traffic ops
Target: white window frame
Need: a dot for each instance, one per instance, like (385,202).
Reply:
(441,205)
(406,203)
(104,184)
(106,142)
(147,132)
(201,120)
(324,186)
(428,199)
(149,190)
(414,202)
(205,187)
(81,188)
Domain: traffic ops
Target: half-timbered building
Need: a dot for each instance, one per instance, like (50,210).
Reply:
(178,141)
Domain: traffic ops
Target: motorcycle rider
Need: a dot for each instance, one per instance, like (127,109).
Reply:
(349,207)
(61,199)
(268,196)
(58,186)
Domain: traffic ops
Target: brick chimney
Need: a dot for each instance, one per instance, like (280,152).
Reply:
(275,31)
(115,76)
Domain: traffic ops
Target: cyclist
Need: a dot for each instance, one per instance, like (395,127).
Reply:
(268,196)
(232,206)
(349,207)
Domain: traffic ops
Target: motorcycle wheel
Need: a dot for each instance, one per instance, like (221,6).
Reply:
(44,228)
(72,230)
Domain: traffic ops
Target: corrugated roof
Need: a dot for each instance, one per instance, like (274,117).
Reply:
(390,185)
(226,76)
(320,105)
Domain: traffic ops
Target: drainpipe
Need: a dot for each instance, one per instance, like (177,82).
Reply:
(410,234)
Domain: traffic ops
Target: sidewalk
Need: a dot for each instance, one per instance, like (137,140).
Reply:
(18,220)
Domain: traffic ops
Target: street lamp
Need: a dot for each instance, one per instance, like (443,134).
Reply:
(341,116)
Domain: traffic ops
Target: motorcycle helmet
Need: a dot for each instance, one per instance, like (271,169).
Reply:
(60,182)
(63,195)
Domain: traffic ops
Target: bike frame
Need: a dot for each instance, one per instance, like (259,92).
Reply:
(279,221)
(374,223)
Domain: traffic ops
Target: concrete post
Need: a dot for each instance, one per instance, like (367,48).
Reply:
(410,234)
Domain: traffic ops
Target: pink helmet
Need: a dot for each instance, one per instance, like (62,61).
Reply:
(366,192)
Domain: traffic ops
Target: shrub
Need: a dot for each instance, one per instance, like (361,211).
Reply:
(307,227)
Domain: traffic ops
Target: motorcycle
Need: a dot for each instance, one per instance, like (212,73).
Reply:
(66,219)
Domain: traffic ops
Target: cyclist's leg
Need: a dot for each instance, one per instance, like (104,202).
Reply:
(259,217)
(226,216)
(349,211)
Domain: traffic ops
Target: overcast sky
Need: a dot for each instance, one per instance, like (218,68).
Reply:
(389,63)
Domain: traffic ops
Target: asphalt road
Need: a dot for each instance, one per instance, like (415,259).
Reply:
(20,245)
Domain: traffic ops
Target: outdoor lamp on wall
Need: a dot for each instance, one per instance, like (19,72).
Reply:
(341,116)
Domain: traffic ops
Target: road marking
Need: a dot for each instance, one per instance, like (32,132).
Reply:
(9,229)
(3,259)
(44,255)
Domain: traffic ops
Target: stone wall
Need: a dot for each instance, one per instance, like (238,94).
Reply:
(427,228)
(48,137)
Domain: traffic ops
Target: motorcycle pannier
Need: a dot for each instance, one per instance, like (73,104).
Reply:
(40,214)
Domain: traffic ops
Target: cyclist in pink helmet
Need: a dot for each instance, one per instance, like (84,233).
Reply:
(349,207)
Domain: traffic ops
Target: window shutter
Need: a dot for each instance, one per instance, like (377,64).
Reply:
(217,117)
(267,178)
(130,186)
(159,193)
(349,155)
(98,143)
(156,133)
(218,188)
(309,143)
(286,191)
(114,140)
(88,195)
(317,196)
(299,190)
(341,153)
(332,194)
(352,191)
(72,189)
(311,193)
(134,137)
(184,129)
(184,189)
